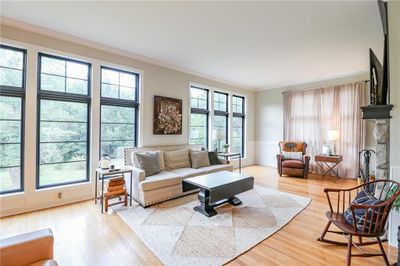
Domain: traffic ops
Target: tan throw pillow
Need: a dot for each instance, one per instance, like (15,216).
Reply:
(199,159)
(161,160)
(176,159)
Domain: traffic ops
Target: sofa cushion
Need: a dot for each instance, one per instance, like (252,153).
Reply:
(189,172)
(148,162)
(199,159)
(162,179)
(293,164)
(176,159)
(217,168)
(289,155)
(161,161)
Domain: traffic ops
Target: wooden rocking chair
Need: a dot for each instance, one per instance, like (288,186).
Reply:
(373,226)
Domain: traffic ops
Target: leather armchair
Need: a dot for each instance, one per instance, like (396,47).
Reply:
(293,167)
(35,249)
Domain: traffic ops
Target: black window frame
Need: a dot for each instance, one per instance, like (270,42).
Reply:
(17,92)
(223,113)
(241,115)
(206,112)
(63,97)
(108,101)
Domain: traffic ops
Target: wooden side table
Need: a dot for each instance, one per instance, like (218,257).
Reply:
(330,161)
(105,174)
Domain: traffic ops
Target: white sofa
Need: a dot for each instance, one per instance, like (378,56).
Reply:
(166,184)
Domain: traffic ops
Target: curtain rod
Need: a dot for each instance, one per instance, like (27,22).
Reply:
(283,92)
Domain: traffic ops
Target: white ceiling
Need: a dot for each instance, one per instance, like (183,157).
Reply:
(257,45)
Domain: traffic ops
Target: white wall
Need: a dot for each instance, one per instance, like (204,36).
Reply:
(394,42)
(269,106)
(156,80)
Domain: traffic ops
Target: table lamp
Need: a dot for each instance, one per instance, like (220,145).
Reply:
(333,135)
(219,135)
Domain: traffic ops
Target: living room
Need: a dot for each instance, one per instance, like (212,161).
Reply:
(151,133)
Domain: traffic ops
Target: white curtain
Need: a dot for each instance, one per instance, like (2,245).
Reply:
(309,114)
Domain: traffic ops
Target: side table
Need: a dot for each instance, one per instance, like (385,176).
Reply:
(330,161)
(106,174)
(227,155)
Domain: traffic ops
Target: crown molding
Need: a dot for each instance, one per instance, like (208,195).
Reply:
(70,38)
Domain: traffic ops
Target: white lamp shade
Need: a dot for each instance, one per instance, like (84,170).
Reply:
(333,135)
(218,135)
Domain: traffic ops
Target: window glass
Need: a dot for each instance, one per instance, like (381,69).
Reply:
(64,75)
(11,67)
(63,134)
(117,129)
(118,84)
(10,143)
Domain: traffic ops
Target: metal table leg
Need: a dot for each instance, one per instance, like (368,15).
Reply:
(102,193)
(130,190)
(95,189)
(240,164)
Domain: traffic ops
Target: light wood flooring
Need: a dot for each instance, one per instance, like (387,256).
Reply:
(84,236)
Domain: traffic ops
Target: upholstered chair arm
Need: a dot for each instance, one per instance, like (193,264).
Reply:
(27,248)
(279,163)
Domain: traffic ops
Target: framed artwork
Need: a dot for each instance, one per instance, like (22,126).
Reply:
(167,116)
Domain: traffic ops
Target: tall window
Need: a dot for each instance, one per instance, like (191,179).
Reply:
(220,125)
(63,121)
(199,116)
(12,93)
(119,111)
(238,124)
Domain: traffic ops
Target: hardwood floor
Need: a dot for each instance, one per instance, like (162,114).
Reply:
(84,236)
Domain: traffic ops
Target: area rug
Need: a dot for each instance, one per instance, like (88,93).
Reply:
(178,235)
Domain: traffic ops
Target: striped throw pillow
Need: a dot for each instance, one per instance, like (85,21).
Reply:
(291,155)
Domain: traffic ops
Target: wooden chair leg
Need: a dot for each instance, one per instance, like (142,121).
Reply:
(126,199)
(350,244)
(106,204)
(383,251)
(321,238)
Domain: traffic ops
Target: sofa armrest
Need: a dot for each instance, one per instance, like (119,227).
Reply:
(27,248)
(138,174)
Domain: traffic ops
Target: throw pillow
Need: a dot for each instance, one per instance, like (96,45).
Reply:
(363,198)
(213,158)
(199,159)
(148,162)
(176,159)
(291,155)
(161,160)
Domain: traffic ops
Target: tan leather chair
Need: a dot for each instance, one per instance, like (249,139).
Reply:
(34,249)
(293,167)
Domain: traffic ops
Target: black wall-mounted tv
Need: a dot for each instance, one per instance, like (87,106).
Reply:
(379,73)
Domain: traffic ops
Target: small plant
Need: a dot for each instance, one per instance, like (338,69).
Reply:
(225,147)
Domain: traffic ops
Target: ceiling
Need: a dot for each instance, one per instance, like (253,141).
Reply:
(257,45)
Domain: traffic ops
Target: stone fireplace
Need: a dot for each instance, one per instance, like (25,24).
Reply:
(382,140)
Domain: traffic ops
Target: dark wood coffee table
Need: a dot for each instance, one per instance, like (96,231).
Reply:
(217,189)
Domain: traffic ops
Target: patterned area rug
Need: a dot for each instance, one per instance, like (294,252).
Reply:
(178,235)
